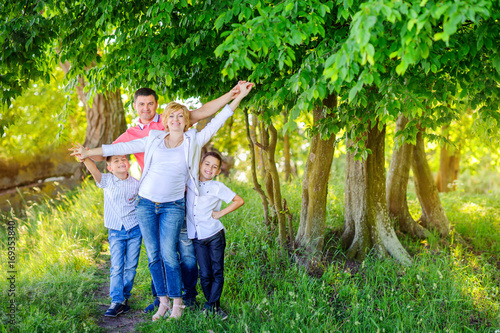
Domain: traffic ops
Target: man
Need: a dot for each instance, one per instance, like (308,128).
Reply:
(146,104)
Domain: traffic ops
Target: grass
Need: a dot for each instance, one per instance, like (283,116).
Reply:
(449,288)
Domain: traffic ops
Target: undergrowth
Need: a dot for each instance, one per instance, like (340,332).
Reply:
(449,288)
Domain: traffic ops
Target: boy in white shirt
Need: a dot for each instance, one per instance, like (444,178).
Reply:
(124,235)
(207,232)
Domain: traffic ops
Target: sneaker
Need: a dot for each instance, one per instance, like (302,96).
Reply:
(114,310)
(151,307)
(126,307)
(222,315)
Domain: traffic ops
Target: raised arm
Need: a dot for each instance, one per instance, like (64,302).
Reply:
(82,153)
(245,88)
(218,121)
(210,108)
(93,169)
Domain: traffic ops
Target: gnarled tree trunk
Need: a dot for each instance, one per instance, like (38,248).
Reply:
(270,136)
(433,215)
(105,115)
(367,223)
(286,152)
(449,166)
(256,185)
(397,184)
(311,232)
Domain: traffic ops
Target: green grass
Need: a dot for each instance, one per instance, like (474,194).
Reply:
(449,288)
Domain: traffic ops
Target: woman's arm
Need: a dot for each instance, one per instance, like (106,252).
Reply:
(216,123)
(82,153)
(244,91)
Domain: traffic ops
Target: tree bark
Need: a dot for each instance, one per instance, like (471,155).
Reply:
(286,152)
(105,115)
(367,223)
(311,232)
(256,185)
(270,137)
(449,167)
(397,184)
(433,215)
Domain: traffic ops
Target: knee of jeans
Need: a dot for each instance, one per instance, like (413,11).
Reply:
(116,270)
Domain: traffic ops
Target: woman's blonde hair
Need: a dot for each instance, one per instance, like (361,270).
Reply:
(173,107)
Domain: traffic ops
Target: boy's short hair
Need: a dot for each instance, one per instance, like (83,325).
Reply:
(145,92)
(213,154)
(108,158)
(173,107)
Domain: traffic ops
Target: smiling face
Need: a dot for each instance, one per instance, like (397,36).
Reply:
(209,168)
(118,165)
(176,117)
(176,122)
(146,108)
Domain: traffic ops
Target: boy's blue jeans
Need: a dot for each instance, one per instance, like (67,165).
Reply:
(210,256)
(160,225)
(125,247)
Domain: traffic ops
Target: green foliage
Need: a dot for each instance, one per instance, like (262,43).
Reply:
(41,120)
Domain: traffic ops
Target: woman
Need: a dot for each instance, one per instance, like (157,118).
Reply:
(160,204)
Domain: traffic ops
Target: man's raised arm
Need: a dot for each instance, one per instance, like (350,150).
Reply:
(211,108)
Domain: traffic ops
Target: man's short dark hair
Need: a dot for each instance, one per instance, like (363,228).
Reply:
(213,154)
(145,92)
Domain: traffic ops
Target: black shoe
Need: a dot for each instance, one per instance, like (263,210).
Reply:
(191,303)
(221,314)
(151,307)
(114,310)
(126,307)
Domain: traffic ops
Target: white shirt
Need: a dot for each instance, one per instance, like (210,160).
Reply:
(200,223)
(119,201)
(167,176)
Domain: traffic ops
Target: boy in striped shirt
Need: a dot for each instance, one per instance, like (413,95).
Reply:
(120,191)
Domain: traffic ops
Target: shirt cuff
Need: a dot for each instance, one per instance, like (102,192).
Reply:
(107,150)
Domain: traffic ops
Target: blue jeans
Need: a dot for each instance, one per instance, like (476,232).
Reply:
(125,247)
(189,267)
(160,226)
(210,255)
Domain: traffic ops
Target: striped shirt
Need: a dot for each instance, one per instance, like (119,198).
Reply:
(119,201)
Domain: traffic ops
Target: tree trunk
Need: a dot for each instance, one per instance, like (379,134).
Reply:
(256,185)
(272,181)
(449,166)
(397,184)
(258,150)
(286,152)
(367,223)
(311,232)
(105,115)
(433,215)
(105,118)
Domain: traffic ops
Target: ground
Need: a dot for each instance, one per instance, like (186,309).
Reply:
(123,323)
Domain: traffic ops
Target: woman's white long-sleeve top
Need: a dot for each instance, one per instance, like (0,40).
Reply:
(194,141)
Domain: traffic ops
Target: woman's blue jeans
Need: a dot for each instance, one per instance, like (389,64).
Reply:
(160,225)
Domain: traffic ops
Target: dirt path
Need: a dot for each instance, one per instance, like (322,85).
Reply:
(124,322)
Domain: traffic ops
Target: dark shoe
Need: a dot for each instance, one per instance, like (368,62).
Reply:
(126,307)
(114,310)
(191,303)
(151,307)
(221,314)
